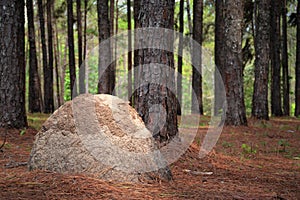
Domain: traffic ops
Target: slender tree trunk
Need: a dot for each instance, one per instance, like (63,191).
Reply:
(197,102)
(155,100)
(180,52)
(297,86)
(63,72)
(219,57)
(104,70)
(84,70)
(72,66)
(57,60)
(188,10)
(285,62)
(129,55)
(80,52)
(233,69)
(48,72)
(275,46)
(113,45)
(262,57)
(35,103)
(44,46)
(137,24)
(12,64)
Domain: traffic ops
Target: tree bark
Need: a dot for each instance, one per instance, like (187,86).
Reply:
(275,46)
(262,57)
(219,57)
(180,52)
(12,64)
(129,55)
(104,70)
(113,46)
(72,66)
(155,100)
(43,41)
(197,102)
(285,62)
(35,96)
(297,86)
(233,69)
(48,71)
(80,49)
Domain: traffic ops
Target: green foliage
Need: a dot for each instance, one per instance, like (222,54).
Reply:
(248,149)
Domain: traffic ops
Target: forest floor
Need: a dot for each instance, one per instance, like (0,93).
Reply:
(261,161)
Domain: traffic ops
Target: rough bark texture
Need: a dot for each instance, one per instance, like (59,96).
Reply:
(297,86)
(197,102)
(233,77)
(219,56)
(12,64)
(72,66)
(155,100)
(43,40)
(99,135)
(180,51)
(35,96)
(262,57)
(285,62)
(275,46)
(104,71)
(48,71)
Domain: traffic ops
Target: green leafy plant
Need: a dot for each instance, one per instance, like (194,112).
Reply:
(284,144)
(248,149)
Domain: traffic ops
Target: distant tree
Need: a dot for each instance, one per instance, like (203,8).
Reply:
(35,96)
(159,13)
(80,48)
(43,41)
(275,46)
(219,55)
(262,57)
(233,63)
(104,71)
(197,102)
(285,63)
(297,86)
(72,66)
(129,55)
(12,64)
(113,44)
(180,60)
(48,71)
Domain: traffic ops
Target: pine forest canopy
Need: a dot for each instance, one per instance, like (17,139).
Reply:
(58,40)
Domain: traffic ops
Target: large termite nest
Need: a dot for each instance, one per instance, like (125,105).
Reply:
(100,135)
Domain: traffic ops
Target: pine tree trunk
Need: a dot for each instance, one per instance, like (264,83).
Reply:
(104,70)
(219,57)
(43,41)
(285,62)
(197,102)
(80,49)
(275,46)
(297,86)
(34,101)
(260,96)
(72,66)
(48,72)
(233,69)
(155,100)
(129,55)
(113,46)
(137,24)
(12,64)
(180,53)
